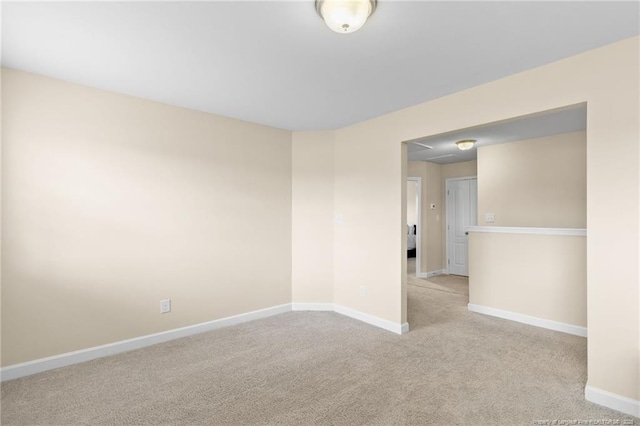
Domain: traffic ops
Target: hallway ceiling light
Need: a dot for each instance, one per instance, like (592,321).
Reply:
(465,144)
(345,16)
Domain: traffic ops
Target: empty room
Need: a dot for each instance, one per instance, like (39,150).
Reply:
(331,212)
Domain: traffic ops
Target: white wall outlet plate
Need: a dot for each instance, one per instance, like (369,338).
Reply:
(489,217)
(165,306)
(340,219)
(363,291)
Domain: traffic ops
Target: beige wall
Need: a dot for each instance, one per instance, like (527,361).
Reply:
(1,209)
(412,202)
(435,218)
(455,170)
(543,276)
(312,217)
(368,246)
(111,203)
(536,183)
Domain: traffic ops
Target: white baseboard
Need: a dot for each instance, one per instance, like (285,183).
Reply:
(404,328)
(526,319)
(373,320)
(76,357)
(612,400)
(434,273)
(63,360)
(352,313)
(431,274)
(311,306)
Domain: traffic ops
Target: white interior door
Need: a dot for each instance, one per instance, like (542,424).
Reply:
(462,212)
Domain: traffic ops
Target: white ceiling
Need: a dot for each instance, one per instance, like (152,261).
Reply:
(444,150)
(276,63)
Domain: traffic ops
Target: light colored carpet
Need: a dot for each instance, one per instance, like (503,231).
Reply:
(321,368)
(449,283)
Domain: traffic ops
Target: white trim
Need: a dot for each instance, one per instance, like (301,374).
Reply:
(460,178)
(435,273)
(579,232)
(576,330)
(373,320)
(312,306)
(612,400)
(76,357)
(43,364)
(418,181)
(431,274)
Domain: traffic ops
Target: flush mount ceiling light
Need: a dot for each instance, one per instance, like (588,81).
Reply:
(345,16)
(465,144)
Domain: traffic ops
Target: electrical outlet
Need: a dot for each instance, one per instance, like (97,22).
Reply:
(363,291)
(165,306)
(489,217)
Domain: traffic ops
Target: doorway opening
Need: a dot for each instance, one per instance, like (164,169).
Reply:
(414,226)
(497,216)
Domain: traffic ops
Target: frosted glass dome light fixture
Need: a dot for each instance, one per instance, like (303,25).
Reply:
(465,144)
(345,16)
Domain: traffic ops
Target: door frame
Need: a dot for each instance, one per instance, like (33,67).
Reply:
(446,216)
(418,181)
